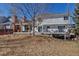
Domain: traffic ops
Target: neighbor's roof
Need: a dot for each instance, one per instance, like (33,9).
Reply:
(3,19)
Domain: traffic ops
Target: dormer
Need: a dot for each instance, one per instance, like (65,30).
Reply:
(65,17)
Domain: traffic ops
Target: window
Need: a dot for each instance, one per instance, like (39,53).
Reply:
(23,28)
(39,29)
(61,28)
(73,26)
(48,27)
(17,28)
(7,26)
(66,18)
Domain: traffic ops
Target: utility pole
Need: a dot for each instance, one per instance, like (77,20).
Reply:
(68,14)
(68,9)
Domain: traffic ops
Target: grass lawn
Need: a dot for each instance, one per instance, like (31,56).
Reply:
(22,45)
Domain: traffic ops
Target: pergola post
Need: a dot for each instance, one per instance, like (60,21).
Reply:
(42,28)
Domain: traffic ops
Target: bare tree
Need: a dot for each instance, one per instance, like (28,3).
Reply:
(31,10)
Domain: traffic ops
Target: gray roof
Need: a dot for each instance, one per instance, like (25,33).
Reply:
(3,19)
(54,21)
(47,15)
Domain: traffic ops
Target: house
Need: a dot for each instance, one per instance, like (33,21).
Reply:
(44,23)
(54,23)
(21,25)
(5,25)
(13,24)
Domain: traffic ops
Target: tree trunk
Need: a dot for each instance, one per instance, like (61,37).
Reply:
(33,26)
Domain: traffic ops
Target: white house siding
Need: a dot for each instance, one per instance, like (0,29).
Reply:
(53,23)
(44,28)
(8,26)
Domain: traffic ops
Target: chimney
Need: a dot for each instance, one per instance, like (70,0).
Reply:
(24,19)
(14,19)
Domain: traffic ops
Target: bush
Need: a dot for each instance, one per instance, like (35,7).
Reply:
(76,31)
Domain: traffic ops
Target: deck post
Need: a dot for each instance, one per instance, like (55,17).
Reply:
(65,36)
(42,28)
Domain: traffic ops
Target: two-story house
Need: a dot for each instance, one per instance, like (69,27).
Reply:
(54,23)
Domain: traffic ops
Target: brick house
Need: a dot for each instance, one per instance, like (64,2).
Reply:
(13,24)
(22,25)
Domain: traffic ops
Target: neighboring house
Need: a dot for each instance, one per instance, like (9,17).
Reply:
(54,23)
(13,24)
(5,25)
(21,25)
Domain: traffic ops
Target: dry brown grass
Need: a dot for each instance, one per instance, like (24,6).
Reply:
(22,45)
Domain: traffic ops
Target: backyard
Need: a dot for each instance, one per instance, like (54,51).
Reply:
(24,45)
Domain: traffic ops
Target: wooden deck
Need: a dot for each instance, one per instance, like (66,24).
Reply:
(40,33)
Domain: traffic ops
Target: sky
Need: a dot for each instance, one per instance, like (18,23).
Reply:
(52,8)
(61,7)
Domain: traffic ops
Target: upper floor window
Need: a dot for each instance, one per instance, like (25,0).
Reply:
(66,18)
